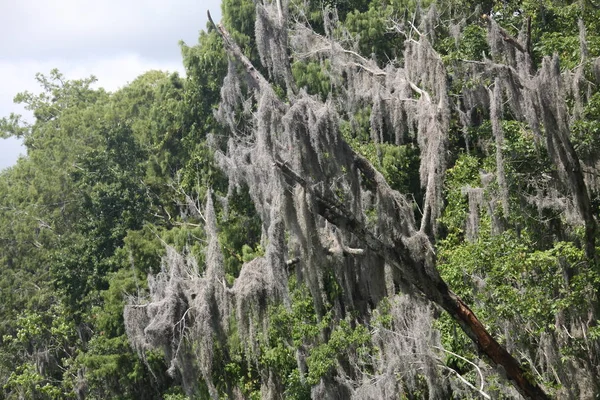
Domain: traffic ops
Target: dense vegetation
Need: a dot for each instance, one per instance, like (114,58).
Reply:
(359,199)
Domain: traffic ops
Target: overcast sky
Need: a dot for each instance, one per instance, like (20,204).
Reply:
(115,40)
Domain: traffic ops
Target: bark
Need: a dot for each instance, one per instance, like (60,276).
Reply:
(491,348)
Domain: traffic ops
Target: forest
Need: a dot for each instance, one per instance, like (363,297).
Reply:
(359,199)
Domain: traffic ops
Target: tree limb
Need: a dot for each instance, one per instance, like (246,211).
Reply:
(416,271)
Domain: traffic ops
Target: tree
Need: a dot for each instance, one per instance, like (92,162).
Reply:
(328,212)
(416,261)
(87,185)
(400,200)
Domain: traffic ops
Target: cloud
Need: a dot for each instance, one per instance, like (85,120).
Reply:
(114,40)
(150,28)
(10,150)
(115,72)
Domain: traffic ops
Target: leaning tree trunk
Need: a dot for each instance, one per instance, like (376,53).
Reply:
(417,268)
(424,277)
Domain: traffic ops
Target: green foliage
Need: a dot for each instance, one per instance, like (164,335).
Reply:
(586,130)
(238,18)
(371,27)
(141,251)
(399,164)
(240,233)
(83,193)
(472,45)
(26,382)
(313,77)
(292,329)
(110,178)
(205,65)
(509,282)
(465,172)
(343,340)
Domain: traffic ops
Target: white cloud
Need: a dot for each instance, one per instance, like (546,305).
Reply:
(10,150)
(151,28)
(115,72)
(114,40)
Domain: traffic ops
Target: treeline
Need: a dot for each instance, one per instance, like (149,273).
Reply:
(360,199)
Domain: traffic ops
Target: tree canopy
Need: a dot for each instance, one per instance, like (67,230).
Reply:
(359,199)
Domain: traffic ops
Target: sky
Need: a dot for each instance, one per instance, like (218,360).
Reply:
(114,40)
